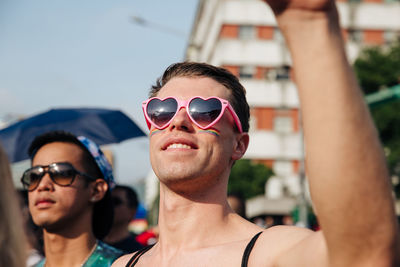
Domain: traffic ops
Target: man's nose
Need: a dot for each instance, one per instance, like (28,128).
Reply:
(46,183)
(181,121)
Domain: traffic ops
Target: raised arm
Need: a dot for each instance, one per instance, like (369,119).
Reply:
(345,164)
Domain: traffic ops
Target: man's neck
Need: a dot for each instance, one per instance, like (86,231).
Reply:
(179,219)
(62,251)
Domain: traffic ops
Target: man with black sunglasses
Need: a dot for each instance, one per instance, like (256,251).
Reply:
(69,195)
(125,202)
(195,138)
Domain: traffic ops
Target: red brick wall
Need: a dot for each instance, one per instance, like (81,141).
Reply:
(265,32)
(264,117)
(373,37)
(267,162)
(261,72)
(295,118)
(345,35)
(229,31)
(233,69)
(296,166)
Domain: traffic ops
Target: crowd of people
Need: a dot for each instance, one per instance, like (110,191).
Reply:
(198,119)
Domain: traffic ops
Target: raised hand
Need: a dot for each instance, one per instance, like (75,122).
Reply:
(279,7)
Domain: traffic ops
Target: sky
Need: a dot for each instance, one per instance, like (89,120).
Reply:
(92,53)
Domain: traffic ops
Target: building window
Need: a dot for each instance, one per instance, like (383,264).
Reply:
(247,72)
(283,167)
(253,123)
(355,36)
(283,124)
(246,32)
(278,35)
(283,73)
(278,74)
(390,36)
(270,74)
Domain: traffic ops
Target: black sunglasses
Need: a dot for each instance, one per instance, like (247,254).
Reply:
(62,174)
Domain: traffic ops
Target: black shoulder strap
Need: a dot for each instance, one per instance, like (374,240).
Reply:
(137,255)
(248,249)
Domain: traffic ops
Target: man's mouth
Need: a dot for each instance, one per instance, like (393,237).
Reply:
(179,145)
(44,202)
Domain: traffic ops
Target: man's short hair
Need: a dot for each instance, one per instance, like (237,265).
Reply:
(220,75)
(103,210)
(130,194)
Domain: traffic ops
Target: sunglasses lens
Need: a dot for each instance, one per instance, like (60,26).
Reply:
(161,112)
(32,177)
(204,112)
(62,174)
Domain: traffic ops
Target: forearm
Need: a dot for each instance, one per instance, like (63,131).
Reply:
(346,168)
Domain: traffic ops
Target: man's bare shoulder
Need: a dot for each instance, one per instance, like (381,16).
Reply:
(289,246)
(122,261)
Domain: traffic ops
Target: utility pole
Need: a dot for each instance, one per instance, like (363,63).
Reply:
(160,27)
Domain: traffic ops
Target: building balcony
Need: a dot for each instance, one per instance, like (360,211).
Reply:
(274,145)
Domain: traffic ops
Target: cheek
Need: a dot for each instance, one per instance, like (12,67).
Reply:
(213,132)
(155,131)
(227,147)
(30,203)
(152,152)
(71,197)
(155,146)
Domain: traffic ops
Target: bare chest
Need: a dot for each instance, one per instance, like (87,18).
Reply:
(231,255)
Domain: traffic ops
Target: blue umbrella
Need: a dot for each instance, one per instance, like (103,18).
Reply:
(103,126)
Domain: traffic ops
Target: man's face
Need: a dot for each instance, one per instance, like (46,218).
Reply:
(182,151)
(52,206)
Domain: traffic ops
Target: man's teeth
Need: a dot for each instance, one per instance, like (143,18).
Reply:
(179,146)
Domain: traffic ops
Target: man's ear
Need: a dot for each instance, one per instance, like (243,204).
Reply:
(241,144)
(99,189)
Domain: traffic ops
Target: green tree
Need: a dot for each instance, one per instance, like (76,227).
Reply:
(377,68)
(248,178)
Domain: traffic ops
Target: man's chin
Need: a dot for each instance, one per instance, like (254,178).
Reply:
(47,224)
(44,224)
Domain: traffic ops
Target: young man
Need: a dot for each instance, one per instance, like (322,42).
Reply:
(125,205)
(195,140)
(69,197)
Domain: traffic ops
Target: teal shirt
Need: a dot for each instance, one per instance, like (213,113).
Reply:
(103,256)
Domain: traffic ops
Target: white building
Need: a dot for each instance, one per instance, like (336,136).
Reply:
(242,36)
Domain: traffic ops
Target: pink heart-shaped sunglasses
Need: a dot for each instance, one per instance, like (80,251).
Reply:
(203,112)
